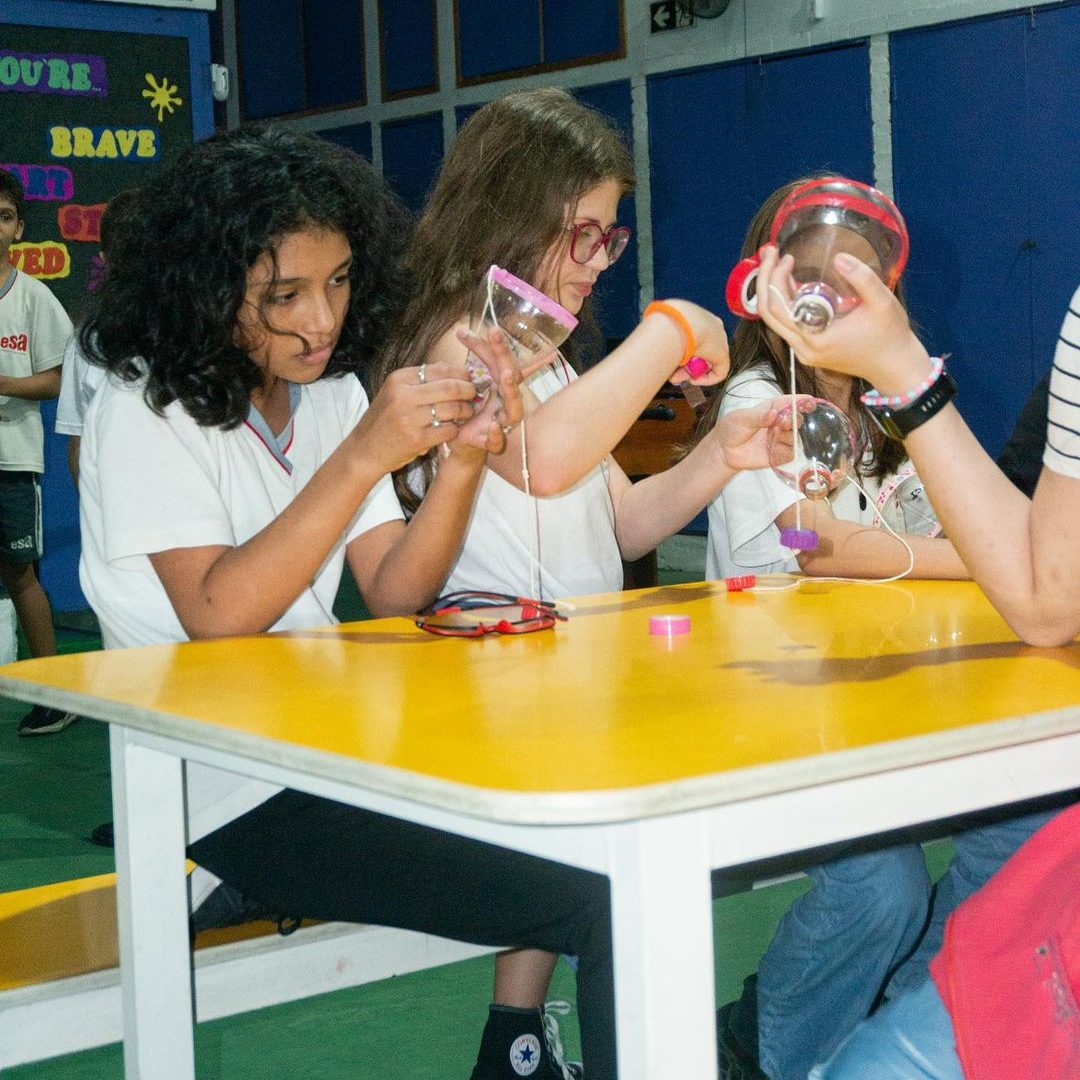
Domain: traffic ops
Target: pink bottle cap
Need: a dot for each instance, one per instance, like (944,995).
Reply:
(669,625)
(697,366)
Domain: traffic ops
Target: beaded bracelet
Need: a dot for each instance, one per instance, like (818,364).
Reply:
(662,307)
(897,401)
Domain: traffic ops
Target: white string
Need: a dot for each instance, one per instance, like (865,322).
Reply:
(808,579)
(872,503)
(535,582)
(796,449)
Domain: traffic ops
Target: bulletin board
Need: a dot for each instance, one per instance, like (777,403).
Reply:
(98,73)
(91,112)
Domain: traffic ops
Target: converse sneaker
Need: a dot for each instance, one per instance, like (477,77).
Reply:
(521,1043)
(42,721)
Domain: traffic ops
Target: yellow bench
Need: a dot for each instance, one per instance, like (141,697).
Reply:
(60,987)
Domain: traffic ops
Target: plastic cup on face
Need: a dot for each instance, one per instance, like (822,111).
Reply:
(534,323)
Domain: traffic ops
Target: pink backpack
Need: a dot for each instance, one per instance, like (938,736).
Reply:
(1009,970)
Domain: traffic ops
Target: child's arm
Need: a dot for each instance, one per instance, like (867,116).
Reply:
(402,569)
(220,590)
(41,386)
(655,508)
(1025,555)
(851,549)
(570,433)
(52,330)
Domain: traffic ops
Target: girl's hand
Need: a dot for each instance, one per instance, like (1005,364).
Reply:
(711,344)
(502,408)
(743,434)
(496,347)
(416,409)
(874,341)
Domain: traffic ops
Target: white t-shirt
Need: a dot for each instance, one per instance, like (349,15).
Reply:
(152,483)
(1062,452)
(573,532)
(743,535)
(34,329)
(78,383)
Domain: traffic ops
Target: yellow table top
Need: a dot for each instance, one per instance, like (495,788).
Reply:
(597,704)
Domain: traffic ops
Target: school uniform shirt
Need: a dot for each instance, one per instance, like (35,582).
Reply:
(78,382)
(152,483)
(743,535)
(34,329)
(1062,452)
(573,533)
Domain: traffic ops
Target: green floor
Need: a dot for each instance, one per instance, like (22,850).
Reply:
(417,1027)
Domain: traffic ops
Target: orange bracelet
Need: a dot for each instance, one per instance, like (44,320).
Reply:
(662,307)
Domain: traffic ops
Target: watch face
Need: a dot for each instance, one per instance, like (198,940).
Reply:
(884,420)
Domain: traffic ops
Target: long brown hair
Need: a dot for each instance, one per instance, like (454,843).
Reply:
(753,344)
(516,168)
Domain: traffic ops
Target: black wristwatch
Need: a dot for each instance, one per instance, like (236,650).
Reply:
(899,423)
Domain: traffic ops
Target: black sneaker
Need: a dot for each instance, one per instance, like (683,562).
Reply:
(523,1043)
(42,721)
(737,1062)
(227,906)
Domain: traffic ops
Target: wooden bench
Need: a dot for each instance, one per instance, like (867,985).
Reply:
(60,986)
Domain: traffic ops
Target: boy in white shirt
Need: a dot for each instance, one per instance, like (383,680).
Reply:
(81,378)
(34,329)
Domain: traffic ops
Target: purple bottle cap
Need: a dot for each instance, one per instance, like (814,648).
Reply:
(799,539)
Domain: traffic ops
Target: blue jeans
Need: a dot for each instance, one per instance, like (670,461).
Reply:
(870,926)
(833,953)
(980,853)
(909,1039)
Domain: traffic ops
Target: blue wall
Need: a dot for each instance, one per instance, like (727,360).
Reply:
(755,125)
(986,134)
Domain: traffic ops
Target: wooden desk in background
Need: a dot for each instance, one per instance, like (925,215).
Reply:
(782,722)
(647,448)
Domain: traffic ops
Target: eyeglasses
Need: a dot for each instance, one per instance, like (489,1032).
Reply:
(587,239)
(473,614)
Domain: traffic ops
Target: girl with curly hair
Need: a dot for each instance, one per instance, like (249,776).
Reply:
(231,465)
(532,184)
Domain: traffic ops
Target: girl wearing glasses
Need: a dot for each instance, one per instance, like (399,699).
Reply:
(260,469)
(532,183)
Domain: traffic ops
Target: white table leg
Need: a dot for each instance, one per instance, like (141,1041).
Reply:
(151,897)
(662,930)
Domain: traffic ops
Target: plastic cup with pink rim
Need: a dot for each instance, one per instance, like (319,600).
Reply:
(535,325)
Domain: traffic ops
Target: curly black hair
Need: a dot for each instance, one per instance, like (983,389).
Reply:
(167,309)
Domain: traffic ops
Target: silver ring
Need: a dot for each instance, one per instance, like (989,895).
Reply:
(507,428)
(421,373)
(435,421)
